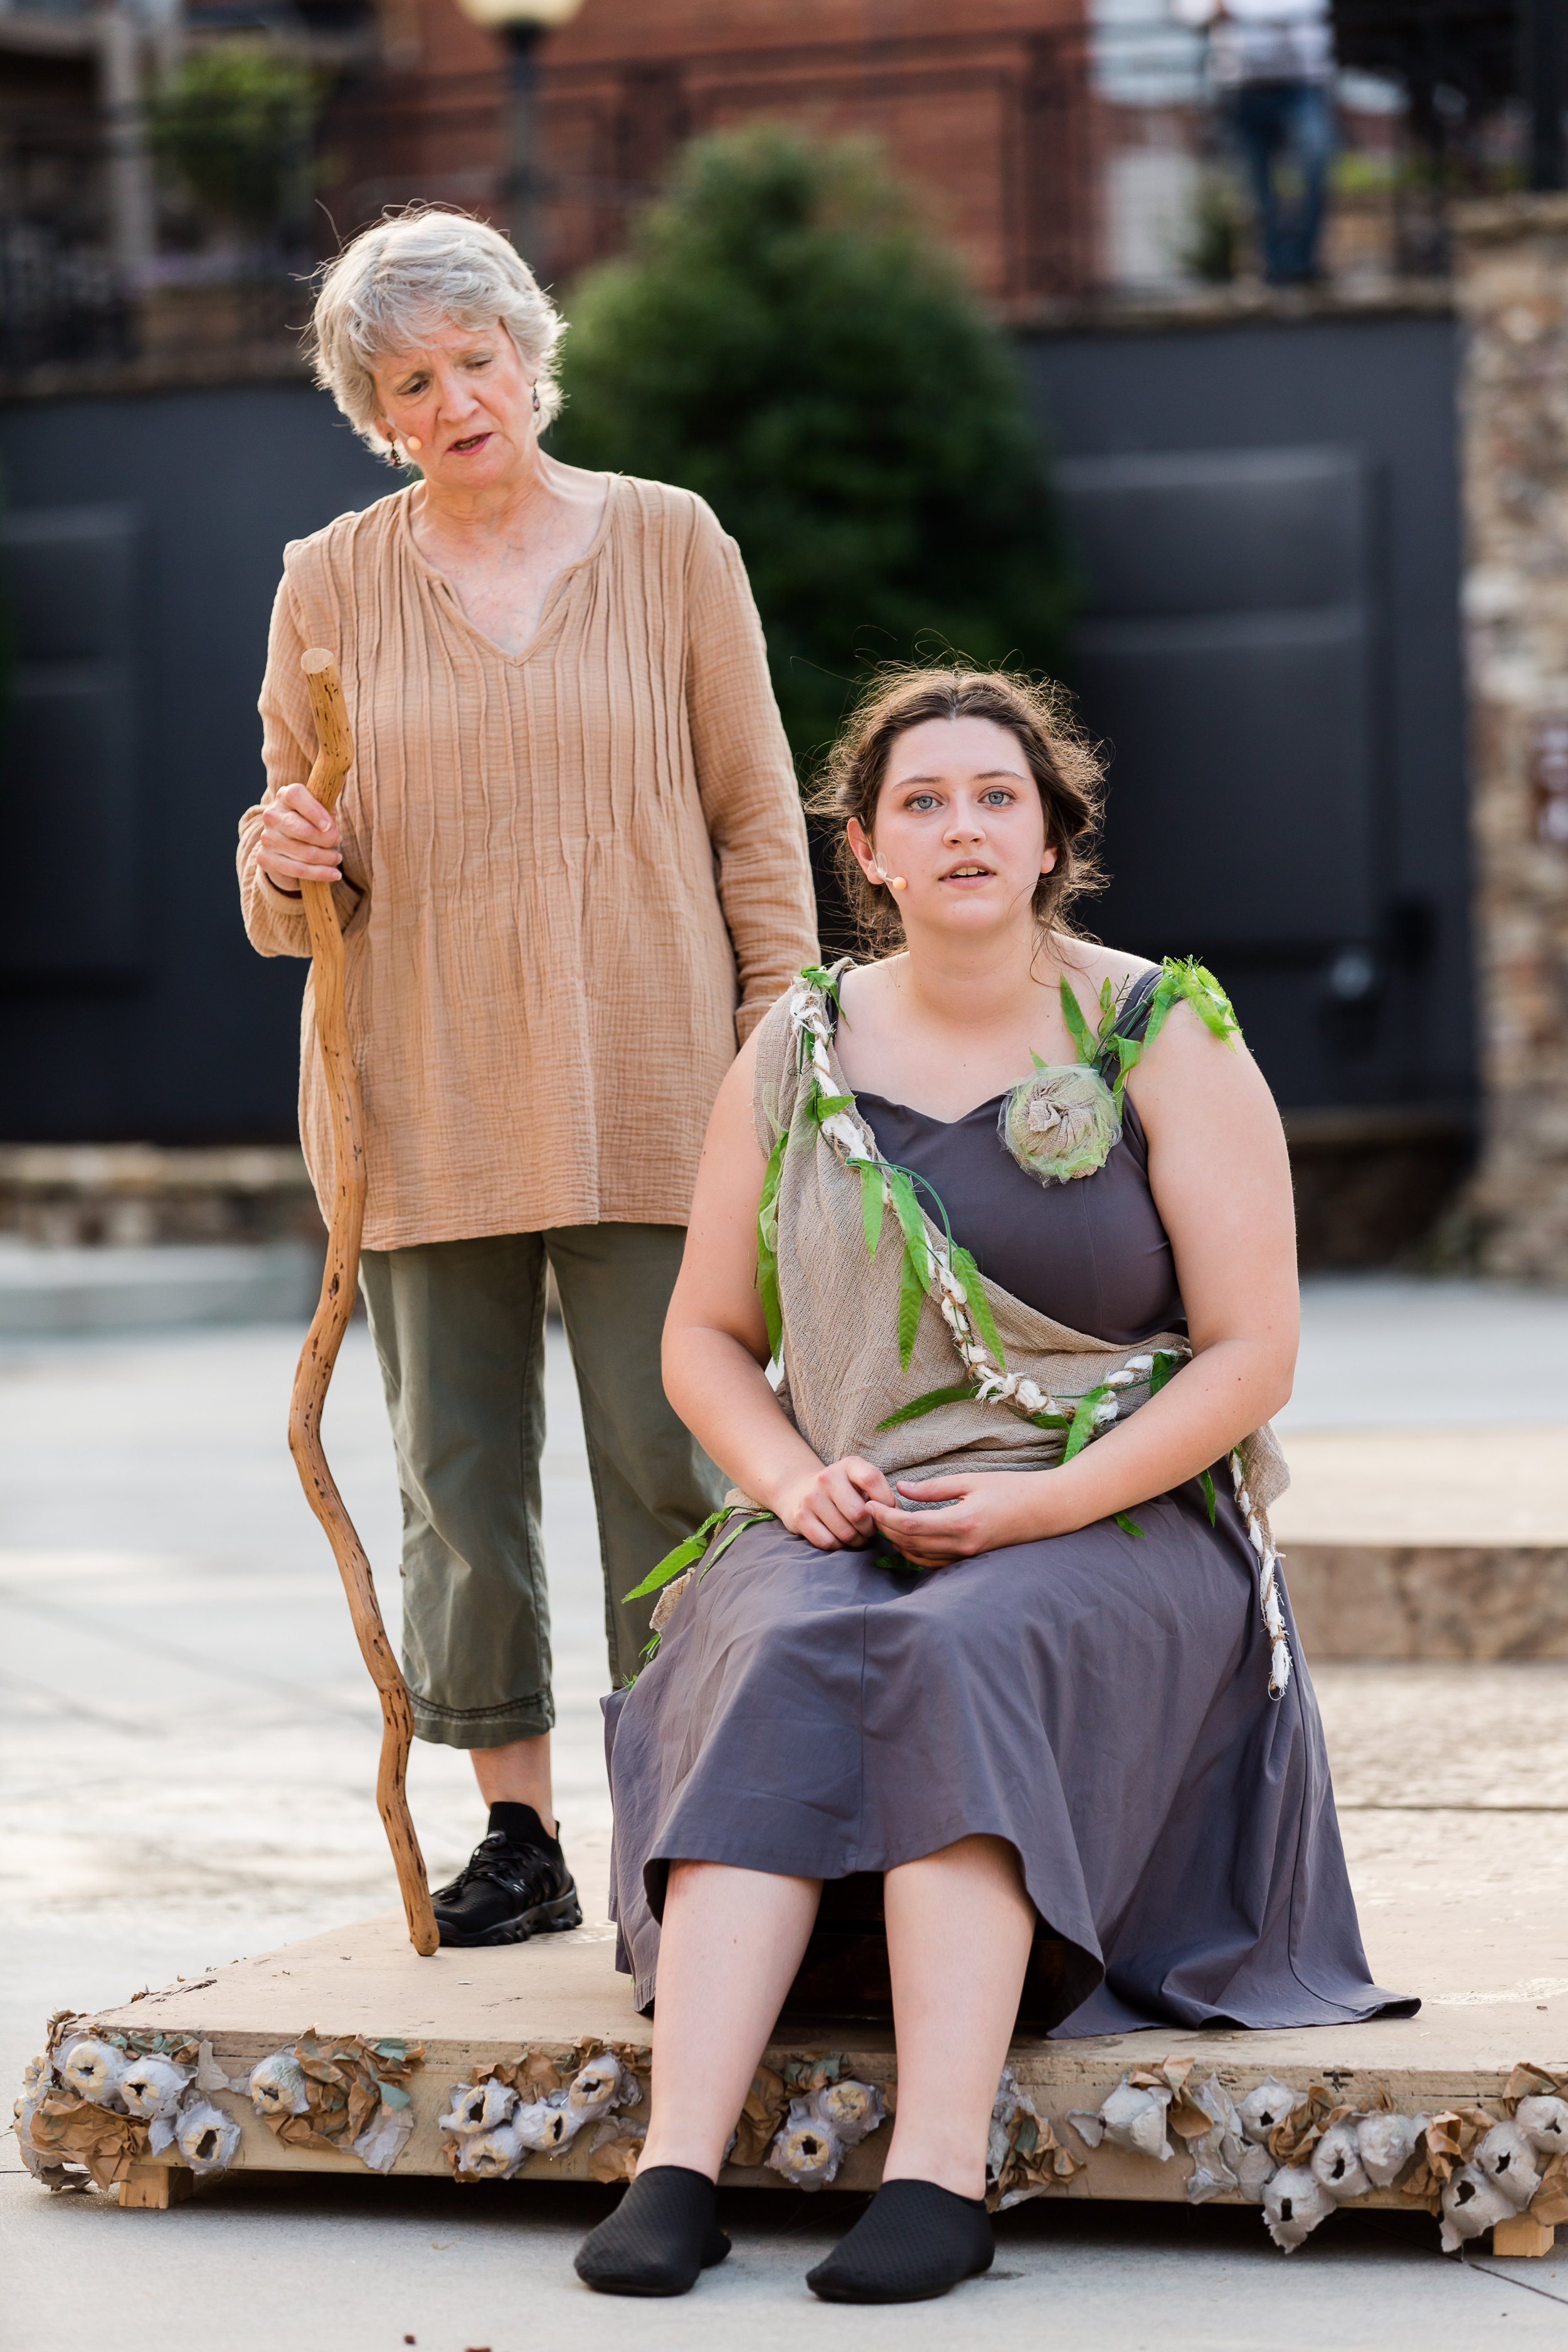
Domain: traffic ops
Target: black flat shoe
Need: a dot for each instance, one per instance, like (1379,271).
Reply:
(662,2235)
(506,1892)
(914,2242)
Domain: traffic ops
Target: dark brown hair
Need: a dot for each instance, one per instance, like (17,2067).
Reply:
(1064,764)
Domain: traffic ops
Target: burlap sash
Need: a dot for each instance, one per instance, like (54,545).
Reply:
(840,1310)
(841,1374)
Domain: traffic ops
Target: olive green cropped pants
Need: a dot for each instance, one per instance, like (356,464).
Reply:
(459,1331)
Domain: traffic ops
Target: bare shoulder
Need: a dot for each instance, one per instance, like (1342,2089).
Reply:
(1087,966)
(868,993)
(1199,1066)
(741,1073)
(732,1151)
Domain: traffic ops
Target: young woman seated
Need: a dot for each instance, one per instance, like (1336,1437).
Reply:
(996,1614)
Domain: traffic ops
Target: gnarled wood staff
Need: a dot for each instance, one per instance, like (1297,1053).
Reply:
(333,759)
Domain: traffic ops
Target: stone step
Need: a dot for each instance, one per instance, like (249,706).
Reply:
(1430,1601)
(52,1293)
(1428,1543)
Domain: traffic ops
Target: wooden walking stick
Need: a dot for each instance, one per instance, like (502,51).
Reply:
(333,759)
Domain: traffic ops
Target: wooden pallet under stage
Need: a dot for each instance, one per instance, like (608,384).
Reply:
(1484,1941)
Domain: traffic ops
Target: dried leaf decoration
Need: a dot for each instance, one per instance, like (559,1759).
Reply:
(764,2109)
(830,2111)
(1534,2083)
(543,2068)
(1550,2202)
(58,2130)
(615,2150)
(1448,2142)
(1024,2156)
(816,2090)
(348,2081)
(64,2129)
(1295,2136)
(549,2102)
(1134,2114)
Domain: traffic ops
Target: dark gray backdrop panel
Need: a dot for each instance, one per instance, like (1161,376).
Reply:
(173,1029)
(1216,485)
(182,1033)
(70,766)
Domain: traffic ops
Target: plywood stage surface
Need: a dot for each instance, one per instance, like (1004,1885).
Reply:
(1474,1918)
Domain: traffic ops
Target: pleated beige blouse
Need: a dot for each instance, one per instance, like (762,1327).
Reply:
(573,877)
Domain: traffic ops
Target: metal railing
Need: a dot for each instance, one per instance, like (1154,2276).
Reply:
(1094,168)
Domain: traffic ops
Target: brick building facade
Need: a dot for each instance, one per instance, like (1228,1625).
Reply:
(986,117)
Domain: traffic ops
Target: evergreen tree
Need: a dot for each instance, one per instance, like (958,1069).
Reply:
(784,338)
(235,125)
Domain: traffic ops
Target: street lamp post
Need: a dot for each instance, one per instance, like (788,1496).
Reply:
(523,25)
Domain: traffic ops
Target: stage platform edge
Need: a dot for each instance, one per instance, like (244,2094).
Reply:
(474,2009)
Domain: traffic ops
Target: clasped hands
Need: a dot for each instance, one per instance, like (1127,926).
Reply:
(845,1506)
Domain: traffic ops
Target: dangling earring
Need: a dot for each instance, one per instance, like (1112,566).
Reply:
(536,400)
(392,456)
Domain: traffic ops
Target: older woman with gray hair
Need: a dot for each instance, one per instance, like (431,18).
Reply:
(571,867)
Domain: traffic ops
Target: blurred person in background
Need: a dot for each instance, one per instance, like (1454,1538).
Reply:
(570,863)
(1272,62)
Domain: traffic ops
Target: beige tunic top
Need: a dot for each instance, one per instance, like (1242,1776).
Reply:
(573,876)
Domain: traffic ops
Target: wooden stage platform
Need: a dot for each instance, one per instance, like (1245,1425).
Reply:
(1400,1545)
(1484,1947)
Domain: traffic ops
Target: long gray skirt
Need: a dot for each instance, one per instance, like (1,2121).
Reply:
(1099,1701)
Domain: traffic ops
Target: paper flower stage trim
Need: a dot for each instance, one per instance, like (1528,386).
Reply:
(347,2096)
(92,2105)
(537,2103)
(1298,2154)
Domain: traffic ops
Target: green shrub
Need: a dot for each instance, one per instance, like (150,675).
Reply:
(784,338)
(235,125)
(1214,231)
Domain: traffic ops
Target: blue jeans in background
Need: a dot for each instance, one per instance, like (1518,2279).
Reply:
(1273,122)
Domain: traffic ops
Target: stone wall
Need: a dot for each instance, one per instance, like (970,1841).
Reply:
(1512,289)
(128,1195)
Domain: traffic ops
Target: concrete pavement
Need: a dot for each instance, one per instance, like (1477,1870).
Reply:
(188,1749)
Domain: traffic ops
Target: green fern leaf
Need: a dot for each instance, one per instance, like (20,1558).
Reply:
(1082,1427)
(912,1297)
(675,1563)
(768,1244)
(979,1306)
(873,1201)
(1072,1013)
(922,1405)
(907,1209)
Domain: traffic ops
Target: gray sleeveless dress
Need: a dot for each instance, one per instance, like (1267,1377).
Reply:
(1096,1699)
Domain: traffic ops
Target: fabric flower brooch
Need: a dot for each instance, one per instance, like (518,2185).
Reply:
(1062,1123)
(1066,1121)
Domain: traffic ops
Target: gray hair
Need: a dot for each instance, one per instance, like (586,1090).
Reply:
(413,270)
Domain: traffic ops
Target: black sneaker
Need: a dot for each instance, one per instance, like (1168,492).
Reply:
(506,1892)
